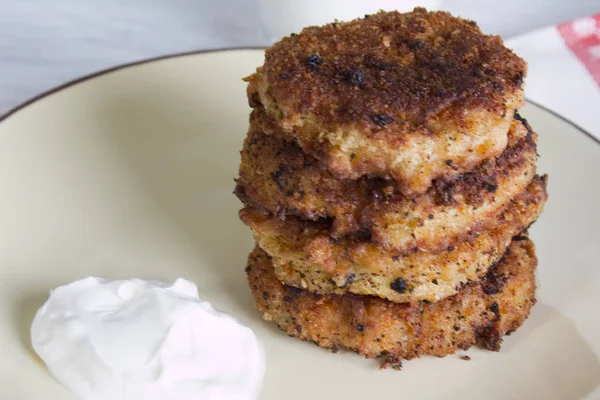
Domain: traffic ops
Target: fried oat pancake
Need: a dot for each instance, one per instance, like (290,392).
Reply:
(278,176)
(412,97)
(305,256)
(481,314)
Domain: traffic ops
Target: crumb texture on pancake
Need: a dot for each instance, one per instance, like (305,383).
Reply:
(481,314)
(278,176)
(393,95)
(305,256)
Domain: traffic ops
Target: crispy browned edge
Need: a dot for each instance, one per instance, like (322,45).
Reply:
(313,261)
(291,176)
(392,71)
(481,314)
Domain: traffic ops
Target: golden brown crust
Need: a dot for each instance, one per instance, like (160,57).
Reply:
(358,95)
(278,176)
(413,64)
(305,256)
(481,314)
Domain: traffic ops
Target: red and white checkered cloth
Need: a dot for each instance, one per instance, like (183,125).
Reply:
(564,69)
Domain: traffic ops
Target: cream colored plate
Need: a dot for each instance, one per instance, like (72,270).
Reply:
(130,173)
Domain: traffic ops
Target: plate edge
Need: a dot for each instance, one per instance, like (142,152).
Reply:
(115,68)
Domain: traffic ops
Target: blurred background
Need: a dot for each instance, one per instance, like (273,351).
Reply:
(45,43)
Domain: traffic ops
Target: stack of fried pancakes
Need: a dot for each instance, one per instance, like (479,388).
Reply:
(389,182)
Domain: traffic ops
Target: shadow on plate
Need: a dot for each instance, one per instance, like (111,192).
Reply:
(24,311)
(547,358)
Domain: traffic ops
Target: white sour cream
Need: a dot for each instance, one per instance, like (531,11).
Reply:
(135,339)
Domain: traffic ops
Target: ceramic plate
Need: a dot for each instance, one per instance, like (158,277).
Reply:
(130,173)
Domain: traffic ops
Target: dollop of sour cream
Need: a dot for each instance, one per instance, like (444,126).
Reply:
(135,339)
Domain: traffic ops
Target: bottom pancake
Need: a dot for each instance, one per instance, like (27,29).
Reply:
(480,314)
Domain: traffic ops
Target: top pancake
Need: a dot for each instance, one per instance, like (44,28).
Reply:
(412,96)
